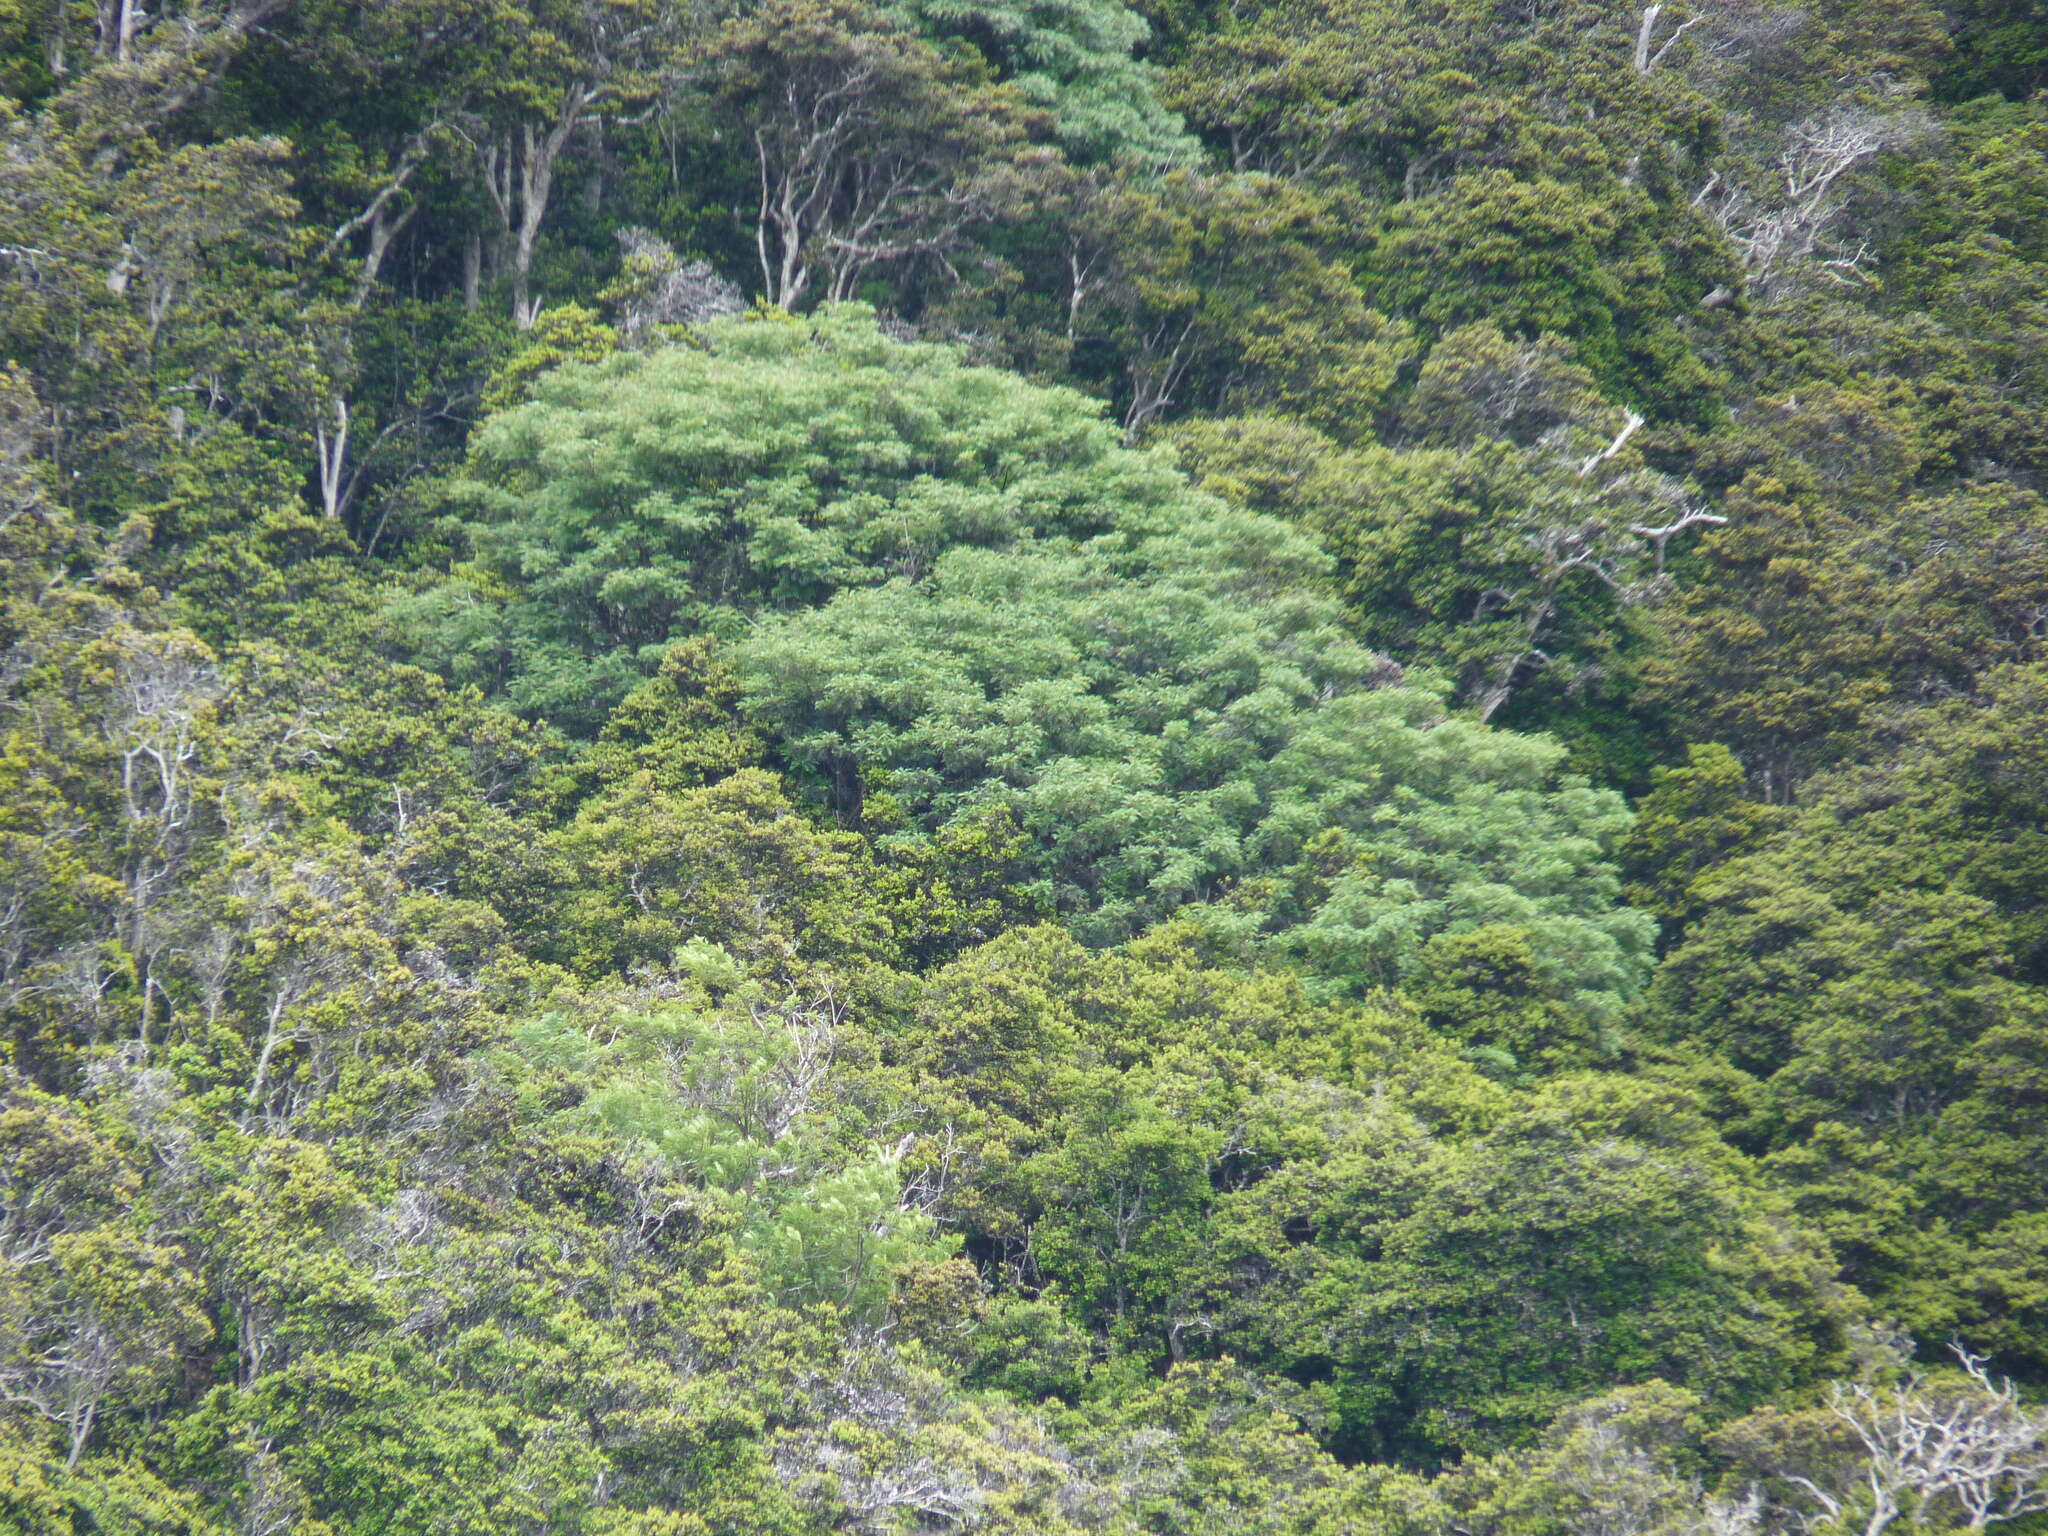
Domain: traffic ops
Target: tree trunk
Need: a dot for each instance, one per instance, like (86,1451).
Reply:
(1644,34)
(333,450)
(81,1432)
(119,22)
(534,182)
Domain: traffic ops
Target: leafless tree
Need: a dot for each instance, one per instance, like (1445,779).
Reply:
(1742,1515)
(1736,43)
(1931,1452)
(1785,223)
(663,289)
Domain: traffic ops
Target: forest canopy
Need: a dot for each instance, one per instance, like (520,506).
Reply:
(811,768)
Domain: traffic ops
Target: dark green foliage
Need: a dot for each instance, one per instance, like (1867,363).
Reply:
(1878,963)
(2000,45)
(827,769)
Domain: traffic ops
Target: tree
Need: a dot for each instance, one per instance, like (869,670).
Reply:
(1180,714)
(1405,99)
(1997,47)
(802,932)
(1836,595)
(552,70)
(1693,818)
(93,1313)
(146,288)
(1185,292)
(1545,255)
(1510,544)
(1303,89)
(1217,1449)
(710,483)
(1459,1294)
(1080,60)
(1785,230)
(1963,1451)
(111,1326)
(873,149)
(1876,961)
(1612,1465)
(732,865)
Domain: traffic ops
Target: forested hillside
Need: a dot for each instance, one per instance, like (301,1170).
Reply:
(778,767)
